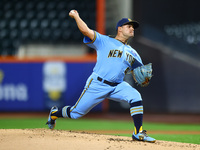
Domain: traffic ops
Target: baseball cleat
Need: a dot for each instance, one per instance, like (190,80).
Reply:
(142,136)
(52,119)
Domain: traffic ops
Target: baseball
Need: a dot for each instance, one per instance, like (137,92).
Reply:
(72,11)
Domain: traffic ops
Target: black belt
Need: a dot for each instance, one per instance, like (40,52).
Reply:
(107,82)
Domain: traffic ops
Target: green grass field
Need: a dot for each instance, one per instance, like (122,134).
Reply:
(88,124)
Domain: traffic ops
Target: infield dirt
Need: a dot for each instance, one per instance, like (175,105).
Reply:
(42,139)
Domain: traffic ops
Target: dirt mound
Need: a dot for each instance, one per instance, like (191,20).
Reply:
(41,139)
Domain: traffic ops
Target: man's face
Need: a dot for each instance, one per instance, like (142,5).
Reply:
(127,30)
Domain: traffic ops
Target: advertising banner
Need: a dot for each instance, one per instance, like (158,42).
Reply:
(39,86)
(20,87)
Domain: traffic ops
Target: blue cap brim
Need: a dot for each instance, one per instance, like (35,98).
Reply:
(135,24)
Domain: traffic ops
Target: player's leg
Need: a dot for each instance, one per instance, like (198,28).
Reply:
(90,97)
(124,92)
(93,94)
(85,103)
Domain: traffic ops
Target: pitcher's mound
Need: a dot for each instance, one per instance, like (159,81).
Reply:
(41,139)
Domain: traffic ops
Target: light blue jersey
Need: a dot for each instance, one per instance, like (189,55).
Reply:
(114,59)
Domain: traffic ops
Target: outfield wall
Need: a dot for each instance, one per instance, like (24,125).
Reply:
(39,84)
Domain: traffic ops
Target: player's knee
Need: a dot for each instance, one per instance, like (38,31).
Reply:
(135,96)
(138,96)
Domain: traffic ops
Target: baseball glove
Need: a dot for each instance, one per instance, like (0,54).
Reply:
(143,74)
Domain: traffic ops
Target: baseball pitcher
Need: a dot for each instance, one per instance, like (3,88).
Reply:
(114,59)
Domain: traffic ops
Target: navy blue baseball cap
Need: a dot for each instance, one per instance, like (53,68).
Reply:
(125,21)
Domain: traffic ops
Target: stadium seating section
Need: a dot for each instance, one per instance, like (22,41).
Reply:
(41,21)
